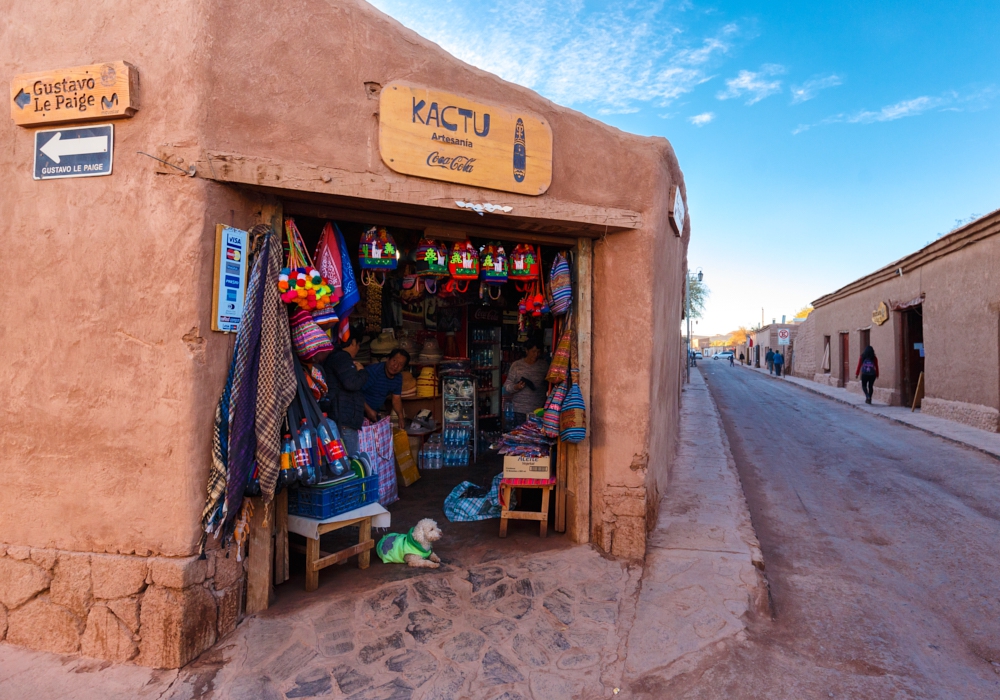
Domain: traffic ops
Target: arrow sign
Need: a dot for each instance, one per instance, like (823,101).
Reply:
(85,151)
(55,148)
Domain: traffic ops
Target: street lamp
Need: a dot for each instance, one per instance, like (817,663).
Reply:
(687,314)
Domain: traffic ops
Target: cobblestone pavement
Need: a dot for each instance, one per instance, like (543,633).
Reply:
(543,626)
(567,622)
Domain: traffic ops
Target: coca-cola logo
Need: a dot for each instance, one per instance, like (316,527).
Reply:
(462,164)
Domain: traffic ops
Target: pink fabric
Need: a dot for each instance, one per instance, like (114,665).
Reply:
(376,440)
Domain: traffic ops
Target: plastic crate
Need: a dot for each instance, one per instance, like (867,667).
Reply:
(321,503)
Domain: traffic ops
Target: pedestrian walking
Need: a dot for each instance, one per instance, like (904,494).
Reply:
(732,360)
(742,358)
(778,361)
(868,371)
(769,359)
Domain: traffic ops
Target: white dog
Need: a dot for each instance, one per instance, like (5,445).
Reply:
(413,548)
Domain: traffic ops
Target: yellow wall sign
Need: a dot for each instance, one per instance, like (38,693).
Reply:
(84,93)
(881,314)
(442,136)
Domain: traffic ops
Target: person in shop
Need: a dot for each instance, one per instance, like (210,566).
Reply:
(769,360)
(344,403)
(525,386)
(868,371)
(385,381)
(777,361)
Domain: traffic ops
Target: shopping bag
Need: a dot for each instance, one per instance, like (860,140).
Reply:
(573,417)
(407,468)
(375,439)
(468,502)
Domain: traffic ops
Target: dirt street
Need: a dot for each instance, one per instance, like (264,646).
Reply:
(882,551)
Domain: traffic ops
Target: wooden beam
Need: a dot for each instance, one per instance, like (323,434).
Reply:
(431,228)
(259,557)
(281,538)
(578,467)
(395,193)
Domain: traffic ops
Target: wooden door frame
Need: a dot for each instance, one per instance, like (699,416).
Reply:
(845,358)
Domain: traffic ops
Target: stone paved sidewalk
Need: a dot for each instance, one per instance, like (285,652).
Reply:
(702,574)
(942,427)
(567,623)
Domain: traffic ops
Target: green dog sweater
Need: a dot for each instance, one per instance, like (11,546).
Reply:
(393,548)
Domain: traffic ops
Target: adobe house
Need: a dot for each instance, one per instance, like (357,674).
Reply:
(110,371)
(932,318)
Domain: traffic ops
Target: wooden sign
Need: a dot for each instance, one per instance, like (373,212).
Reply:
(85,93)
(442,136)
(881,314)
(676,210)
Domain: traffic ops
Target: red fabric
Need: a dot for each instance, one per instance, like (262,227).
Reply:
(858,370)
(529,482)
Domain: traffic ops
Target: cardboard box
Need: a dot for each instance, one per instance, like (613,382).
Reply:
(527,467)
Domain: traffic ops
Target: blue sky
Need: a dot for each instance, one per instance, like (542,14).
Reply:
(819,141)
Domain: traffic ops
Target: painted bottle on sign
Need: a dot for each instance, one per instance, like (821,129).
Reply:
(520,154)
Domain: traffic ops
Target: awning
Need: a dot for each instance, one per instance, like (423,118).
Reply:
(900,305)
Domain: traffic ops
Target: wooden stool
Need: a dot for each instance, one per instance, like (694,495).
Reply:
(506,489)
(365,517)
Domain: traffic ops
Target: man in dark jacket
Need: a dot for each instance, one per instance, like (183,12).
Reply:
(769,360)
(344,403)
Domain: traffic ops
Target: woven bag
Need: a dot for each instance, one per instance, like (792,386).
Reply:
(463,265)
(523,266)
(551,415)
(560,286)
(559,368)
(308,338)
(573,416)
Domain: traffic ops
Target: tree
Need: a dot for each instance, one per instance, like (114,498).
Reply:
(804,312)
(698,293)
(739,337)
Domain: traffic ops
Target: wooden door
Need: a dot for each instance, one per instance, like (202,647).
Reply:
(845,359)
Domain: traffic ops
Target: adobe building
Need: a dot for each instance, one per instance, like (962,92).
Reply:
(934,313)
(110,371)
(768,338)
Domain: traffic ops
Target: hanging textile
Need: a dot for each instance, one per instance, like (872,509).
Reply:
(258,390)
(349,285)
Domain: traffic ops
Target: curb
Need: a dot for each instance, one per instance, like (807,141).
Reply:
(880,415)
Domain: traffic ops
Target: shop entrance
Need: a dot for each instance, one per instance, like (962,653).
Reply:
(912,351)
(485,330)
(845,359)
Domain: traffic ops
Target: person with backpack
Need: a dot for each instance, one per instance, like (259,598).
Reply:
(868,371)
(769,360)
(777,361)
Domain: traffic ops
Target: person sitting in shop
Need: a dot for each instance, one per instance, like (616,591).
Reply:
(344,403)
(385,380)
(525,386)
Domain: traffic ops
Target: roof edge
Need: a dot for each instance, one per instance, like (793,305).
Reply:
(982,228)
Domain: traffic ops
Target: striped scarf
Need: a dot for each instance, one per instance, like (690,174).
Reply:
(259,387)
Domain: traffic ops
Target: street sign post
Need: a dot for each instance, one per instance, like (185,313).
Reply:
(784,336)
(83,151)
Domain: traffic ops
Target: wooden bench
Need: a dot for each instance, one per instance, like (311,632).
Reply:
(507,488)
(365,518)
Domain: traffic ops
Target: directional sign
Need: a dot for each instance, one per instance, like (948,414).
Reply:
(784,336)
(82,94)
(84,151)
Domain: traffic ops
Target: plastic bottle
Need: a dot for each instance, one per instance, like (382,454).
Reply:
(508,414)
(306,445)
(287,475)
(333,445)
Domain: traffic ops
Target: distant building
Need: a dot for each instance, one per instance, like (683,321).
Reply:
(932,313)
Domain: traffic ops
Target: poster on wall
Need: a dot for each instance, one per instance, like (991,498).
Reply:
(230,283)
(441,136)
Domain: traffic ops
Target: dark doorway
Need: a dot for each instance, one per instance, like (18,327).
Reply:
(865,338)
(912,351)
(845,358)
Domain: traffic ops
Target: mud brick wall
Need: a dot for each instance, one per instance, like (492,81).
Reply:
(152,611)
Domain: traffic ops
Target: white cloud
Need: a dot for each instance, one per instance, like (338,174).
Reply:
(701,119)
(899,110)
(614,59)
(755,85)
(809,89)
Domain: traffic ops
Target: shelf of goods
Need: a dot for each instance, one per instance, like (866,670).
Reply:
(459,424)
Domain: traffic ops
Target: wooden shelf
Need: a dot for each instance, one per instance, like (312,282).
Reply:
(421,398)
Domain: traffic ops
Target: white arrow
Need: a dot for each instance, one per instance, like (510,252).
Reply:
(55,147)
